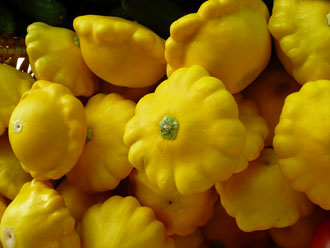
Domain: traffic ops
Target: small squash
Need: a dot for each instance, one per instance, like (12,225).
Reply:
(44,221)
(260,198)
(301,141)
(55,55)
(104,159)
(122,222)
(187,135)
(119,51)
(302,39)
(47,130)
(230,39)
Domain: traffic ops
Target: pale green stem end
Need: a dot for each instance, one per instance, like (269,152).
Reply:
(169,127)
(76,41)
(89,135)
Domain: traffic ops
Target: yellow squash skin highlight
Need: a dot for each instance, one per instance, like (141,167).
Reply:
(120,222)
(229,38)
(104,160)
(302,141)
(186,136)
(47,130)
(181,214)
(121,52)
(302,37)
(13,84)
(54,56)
(260,197)
(37,217)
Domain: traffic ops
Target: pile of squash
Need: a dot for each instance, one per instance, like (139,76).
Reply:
(197,125)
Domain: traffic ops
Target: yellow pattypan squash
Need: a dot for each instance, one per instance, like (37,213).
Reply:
(181,214)
(120,51)
(302,141)
(13,84)
(269,91)
(134,94)
(186,136)
(12,176)
(104,160)
(301,233)
(302,37)
(261,198)
(194,240)
(47,130)
(77,201)
(55,56)
(37,217)
(229,38)
(121,222)
(256,128)
(222,231)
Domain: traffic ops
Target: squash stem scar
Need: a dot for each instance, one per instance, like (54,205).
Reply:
(18,126)
(8,237)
